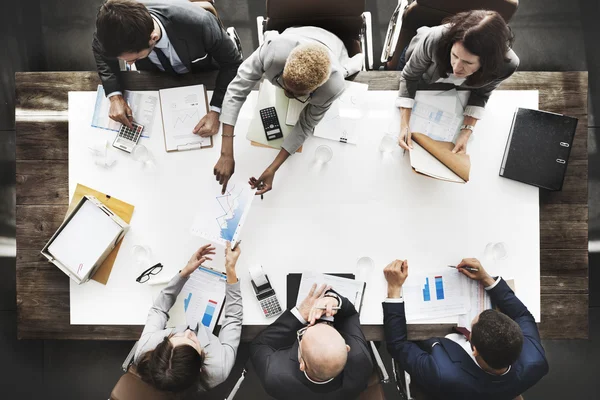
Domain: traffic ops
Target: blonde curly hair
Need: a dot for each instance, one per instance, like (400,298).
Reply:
(307,67)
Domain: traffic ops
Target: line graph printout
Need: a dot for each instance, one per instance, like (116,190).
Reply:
(436,294)
(182,109)
(224,219)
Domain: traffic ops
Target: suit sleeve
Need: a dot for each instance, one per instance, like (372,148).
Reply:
(311,115)
(108,69)
(231,329)
(480,96)
(418,63)
(154,330)
(248,75)
(221,48)
(417,362)
(278,335)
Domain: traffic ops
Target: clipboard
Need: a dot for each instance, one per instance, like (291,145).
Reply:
(120,208)
(181,114)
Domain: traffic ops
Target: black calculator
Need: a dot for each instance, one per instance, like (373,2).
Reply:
(127,138)
(271,123)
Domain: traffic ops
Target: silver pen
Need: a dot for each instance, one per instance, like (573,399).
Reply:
(470,269)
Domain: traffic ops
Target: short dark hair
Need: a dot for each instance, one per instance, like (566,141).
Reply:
(123,26)
(498,339)
(483,33)
(171,369)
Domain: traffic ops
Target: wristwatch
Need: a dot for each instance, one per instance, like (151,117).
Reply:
(335,296)
(469,127)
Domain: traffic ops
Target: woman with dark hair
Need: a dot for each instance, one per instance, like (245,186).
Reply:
(471,50)
(176,359)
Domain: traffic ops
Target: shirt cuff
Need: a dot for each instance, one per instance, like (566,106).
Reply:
(404,102)
(215,109)
(298,316)
(394,300)
(493,285)
(117,93)
(474,111)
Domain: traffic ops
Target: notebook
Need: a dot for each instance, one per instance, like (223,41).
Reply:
(538,148)
(298,286)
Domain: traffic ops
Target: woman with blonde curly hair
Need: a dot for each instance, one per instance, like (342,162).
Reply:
(310,65)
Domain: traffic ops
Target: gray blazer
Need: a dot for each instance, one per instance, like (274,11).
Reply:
(422,67)
(220,351)
(197,37)
(268,61)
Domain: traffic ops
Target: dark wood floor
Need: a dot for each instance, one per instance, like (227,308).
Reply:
(552,35)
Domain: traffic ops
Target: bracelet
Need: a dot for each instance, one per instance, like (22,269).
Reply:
(469,127)
(224,135)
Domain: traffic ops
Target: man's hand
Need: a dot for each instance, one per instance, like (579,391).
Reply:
(231,258)
(224,169)
(395,275)
(479,275)
(120,111)
(461,142)
(197,259)
(208,125)
(309,302)
(264,183)
(327,303)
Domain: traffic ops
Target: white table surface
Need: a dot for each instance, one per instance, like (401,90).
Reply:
(361,203)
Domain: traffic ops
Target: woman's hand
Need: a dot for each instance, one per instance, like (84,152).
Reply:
(461,142)
(404,138)
(197,259)
(231,258)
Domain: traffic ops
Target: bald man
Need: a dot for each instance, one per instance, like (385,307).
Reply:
(314,351)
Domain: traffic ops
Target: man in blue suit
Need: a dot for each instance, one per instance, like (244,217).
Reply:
(500,359)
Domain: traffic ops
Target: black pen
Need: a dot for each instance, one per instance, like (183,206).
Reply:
(470,269)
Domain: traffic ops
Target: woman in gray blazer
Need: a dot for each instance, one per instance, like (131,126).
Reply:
(472,50)
(176,359)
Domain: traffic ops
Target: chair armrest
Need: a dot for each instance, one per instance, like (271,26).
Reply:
(129,359)
(367,41)
(393,31)
(383,374)
(235,38)
(260,28)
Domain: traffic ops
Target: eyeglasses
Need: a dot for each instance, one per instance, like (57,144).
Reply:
(301,99)
(145,276)
(299,334)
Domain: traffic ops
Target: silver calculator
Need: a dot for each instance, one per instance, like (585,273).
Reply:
(267,299)
(127,138)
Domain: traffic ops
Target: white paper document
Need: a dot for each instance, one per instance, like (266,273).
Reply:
(340,122)
(425,163)
(223,220)
(200,300)
(84,239)
(437,115)
(479,301)
(182,109)
(349,288)
(435,294)
(143,106)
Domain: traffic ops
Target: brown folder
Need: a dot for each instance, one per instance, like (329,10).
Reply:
(122,209)
(253,143)
(460,164)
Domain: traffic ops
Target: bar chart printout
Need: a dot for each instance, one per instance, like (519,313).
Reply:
(435,294)
(209,312)
(426,292)
(203,296)
(439,288)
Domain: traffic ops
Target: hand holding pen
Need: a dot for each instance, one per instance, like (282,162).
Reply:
(472,268)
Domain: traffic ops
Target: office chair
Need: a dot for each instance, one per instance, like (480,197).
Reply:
(347,19)
(410,15)
(209,5)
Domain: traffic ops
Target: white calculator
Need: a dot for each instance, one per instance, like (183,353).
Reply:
(267,298)
(127,138)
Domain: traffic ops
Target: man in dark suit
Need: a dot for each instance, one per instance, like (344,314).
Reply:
(500,359)
(310,354)
(173,36)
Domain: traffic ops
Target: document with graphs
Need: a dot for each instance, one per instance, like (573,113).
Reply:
(182,108)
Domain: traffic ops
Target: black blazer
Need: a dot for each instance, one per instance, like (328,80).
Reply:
(198,39)
(274,353)
(446,371)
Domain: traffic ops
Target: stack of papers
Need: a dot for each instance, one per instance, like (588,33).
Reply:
(438,115)
(351,289)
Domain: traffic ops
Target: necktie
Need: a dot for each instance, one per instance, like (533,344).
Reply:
(164,61)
